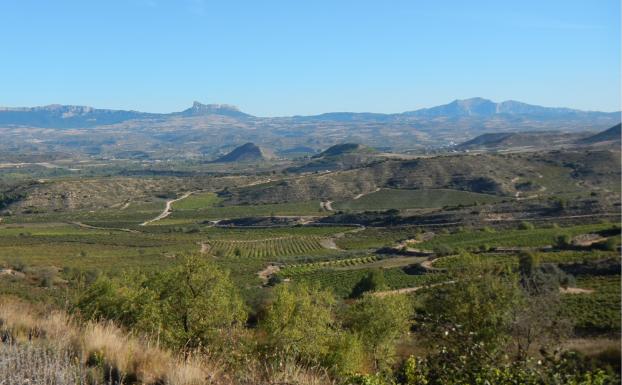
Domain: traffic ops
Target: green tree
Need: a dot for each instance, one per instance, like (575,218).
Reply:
(527,264)
(125,300)
(299,322)
(192,304)
(199,303)
(468,319)
(380,322)
(347,354)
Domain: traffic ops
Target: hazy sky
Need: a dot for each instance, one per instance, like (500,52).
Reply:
(300,57)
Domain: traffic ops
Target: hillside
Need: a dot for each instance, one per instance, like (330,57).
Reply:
(248,152)
(507,140)
(496,174)
(610,135)
(341,156)
(345,148)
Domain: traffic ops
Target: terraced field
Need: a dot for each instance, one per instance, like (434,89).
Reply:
(385,199)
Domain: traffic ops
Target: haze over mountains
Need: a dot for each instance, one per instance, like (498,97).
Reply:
(210,130)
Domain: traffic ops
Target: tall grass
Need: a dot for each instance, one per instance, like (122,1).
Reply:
(43,347)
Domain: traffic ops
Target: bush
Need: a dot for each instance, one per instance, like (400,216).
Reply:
(192,304)
(379,322)
(47,276)
(374,281)
(609,245)
(524,225)
(299,323)
(484,247)
(563,241)
(443,250)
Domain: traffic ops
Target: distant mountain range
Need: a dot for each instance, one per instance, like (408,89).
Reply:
(67,116)
(205,130)
(486,108)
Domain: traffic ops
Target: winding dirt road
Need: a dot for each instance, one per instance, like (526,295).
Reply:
(359,196)
(168,210)
(327,205)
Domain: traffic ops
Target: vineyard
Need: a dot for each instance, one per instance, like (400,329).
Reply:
(343,281)
(265,248)
(511,260)
(297,270)
(597,311)
(205,206)
(406,199)
(509,238)
(375,237)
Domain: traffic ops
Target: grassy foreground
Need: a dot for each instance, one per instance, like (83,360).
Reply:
(49,348)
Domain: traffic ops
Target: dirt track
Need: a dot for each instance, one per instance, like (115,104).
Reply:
(167,209)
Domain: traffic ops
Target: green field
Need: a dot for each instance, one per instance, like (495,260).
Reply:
(63,245)
(411,199)
(197,201)
(558,257)
(203,207)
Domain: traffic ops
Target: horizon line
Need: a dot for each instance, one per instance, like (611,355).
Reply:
(234,106)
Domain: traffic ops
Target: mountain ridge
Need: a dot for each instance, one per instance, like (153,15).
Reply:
(59,115)
(202,130)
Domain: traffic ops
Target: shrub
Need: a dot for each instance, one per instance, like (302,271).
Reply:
(524,225)
(299,322)
(443,250)
(192,304)
(379,322)
(609,245)
(563,241)
(373,281)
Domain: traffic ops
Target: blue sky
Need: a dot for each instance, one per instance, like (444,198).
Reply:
(301,57)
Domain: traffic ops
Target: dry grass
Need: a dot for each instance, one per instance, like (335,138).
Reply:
(35,365)
(43,347)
